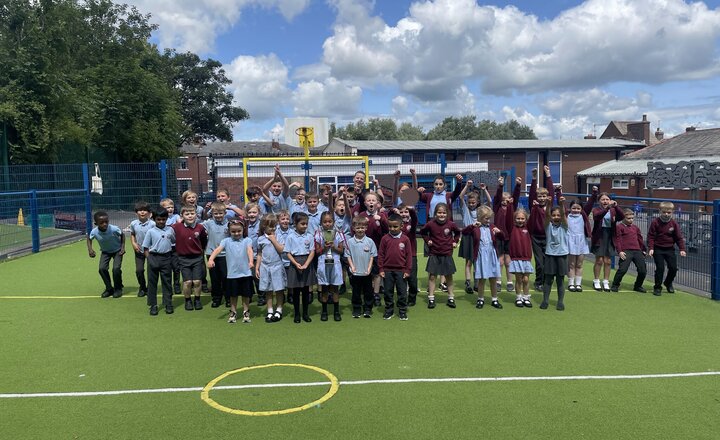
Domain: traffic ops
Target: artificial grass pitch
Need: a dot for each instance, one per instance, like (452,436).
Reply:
(93,344)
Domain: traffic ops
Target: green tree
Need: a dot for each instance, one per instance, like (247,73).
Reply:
(206,105)
(377,129)
(453,128)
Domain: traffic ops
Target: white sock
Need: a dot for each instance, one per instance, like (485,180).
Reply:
(270,310)
(279,309)
(606,283)
(526,297)
(518,296)
(578,280)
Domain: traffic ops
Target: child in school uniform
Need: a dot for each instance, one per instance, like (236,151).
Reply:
(663,235)
(441,236)
(158,248)
(169,206)
(487,266)
(190,198)
(138,229)
(231,210)
(361,253)
(300,250)
(217,230)
(269,269)
(409,228)
(394,265)
(329,246)
(538,199)
(501,202)
(377,228)
(239,258)
(282,231)
(190,242)
(630,247)
(556,252)
(520,250)
(276,192)
(579,232)
(605,218)
(112,247)
(297,203)
(469,203)
(252,230)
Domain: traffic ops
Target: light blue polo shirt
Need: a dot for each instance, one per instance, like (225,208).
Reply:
(109,240)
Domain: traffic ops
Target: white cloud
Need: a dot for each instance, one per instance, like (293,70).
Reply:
(330,97)
(259,85)
(193,25)
(442,44)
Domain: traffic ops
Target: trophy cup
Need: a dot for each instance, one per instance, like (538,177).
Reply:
(329,237)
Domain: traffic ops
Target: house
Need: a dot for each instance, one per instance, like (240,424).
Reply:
(628,175)
(632,130)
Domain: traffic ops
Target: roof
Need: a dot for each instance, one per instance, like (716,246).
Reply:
(696,144)
(337,145)
(244,148)
(633,167)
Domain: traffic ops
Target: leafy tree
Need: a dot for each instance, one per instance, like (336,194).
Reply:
(206,105)
(377,129)
(453,128)
(409,132)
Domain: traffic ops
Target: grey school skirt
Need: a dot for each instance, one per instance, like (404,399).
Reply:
(465,250)
(297,278)
(440,265)
(605,247)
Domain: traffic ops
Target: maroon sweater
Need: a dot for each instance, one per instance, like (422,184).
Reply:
(190,241)
(450,197)
(394,254)
(536,222)
(616,215)
(628,238)
(443,236)
(520,243)
(410,229)
(665,235)
(501,213)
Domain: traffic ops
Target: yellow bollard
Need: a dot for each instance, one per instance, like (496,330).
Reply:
(21,219)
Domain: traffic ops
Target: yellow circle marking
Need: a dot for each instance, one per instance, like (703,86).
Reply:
(205,393)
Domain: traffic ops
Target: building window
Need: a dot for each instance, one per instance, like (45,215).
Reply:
(472,157)
(430,157)
(532,161)
(620,183)
(183,164)
(184,185)
(407,158)
(555,164)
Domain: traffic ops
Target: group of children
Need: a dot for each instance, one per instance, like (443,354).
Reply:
(277,244)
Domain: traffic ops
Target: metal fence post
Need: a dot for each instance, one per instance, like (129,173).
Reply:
(163,177)
(443,165)
(35,218)
(306,167)
(88,200)
(715,256)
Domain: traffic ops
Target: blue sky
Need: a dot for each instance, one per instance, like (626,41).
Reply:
(558,66)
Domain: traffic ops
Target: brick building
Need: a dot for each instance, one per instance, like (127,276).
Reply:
(627,175)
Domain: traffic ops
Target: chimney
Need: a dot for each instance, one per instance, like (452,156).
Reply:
(589,136)
(646,130)
(659,135)
(690,128)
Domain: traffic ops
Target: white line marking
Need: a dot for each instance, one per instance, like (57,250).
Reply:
(363,382)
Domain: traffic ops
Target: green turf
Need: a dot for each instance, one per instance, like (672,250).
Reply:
(14,236)
(112,344)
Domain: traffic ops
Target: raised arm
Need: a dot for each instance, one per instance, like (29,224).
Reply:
(532,197)
(563,218)
(548,179)
(458,188)
(516,192)
(414,178)
(591,201)
(496,202)
(283,181)
(396,187)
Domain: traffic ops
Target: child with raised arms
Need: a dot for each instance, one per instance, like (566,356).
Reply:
(376,229)
(158,248)
(276,192)
(270,270)
(578,234)
(441,236)
(538,199)
(556,252)
(487,266)
(663,235)
(361,253)
(501,203)
(217,231)
(605,218)
(138,229)
(112,247)
(329,246)
(239,258)
(469,202)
